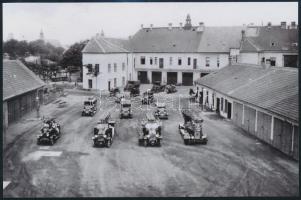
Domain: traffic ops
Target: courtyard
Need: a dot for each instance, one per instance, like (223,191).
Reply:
(233,163)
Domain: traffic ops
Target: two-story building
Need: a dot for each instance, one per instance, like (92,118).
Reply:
(106,63)
(182,54)
(270,45)
(173,54)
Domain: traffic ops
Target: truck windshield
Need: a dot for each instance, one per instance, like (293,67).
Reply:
(87,103)
(126,105)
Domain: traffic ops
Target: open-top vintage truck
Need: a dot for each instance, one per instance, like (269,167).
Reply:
(90,106)
(50,132)
(104,132)
(192,128)
(151,131)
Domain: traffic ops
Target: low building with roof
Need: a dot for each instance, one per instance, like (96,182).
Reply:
(262,101)
(270,45)
(20,91)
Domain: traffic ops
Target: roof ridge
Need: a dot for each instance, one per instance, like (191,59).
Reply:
(100,46)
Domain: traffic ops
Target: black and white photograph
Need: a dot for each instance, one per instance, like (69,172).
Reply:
(150,99)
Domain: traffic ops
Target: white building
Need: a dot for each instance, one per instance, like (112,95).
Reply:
(270,45)
(183,54)
(106,64)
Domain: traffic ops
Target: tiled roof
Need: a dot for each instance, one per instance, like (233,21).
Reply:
(212,39)
(99,44)
(18,79)
(165,40)
(273,89)
(272,39)
(220,39)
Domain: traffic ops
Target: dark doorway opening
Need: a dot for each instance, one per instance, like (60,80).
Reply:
(217,105)
(229,110)
(90,83)
(109,85)
(187,79)
(156,77)
(172,78)
(142,76)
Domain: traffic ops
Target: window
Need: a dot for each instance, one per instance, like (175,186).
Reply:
(195,63)
(161,63)
(89,66)
(115,82)
(151,61)
(123,66)
(188,61)
(96,69)
(123,81)
(179,61)
(170,60)
(217,61)
(134,62)
(273,61)
(156,60)
(142,60)
(109,68)
(207,61)
(115,67)
(226,106)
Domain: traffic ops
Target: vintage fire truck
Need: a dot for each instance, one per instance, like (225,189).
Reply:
(192,128)
(90,107)
(161,112)
(151,131)
(50,132)
(126,109)
(104,132)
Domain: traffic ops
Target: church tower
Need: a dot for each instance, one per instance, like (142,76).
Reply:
(188,25)
(41,35)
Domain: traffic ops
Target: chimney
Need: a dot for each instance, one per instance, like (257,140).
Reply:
(169,26)
(181,25)
(269,25)
(293,25)
(141,25)
(243,35)
(151,26)
(283,25)
(201,27)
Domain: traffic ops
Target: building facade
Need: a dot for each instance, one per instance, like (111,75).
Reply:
(262,101)
(269,45)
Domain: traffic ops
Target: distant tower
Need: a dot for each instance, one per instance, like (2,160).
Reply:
(188,23)
(41,35)
(102,34)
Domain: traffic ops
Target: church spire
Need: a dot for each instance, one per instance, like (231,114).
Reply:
(41,35)
(188,23)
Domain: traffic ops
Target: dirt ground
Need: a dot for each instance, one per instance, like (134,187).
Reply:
(233,163)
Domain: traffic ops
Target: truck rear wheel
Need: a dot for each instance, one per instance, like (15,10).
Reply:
(186,142)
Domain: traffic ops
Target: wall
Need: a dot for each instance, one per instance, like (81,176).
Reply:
(201,60)
(256,58)
(250,58)
(101,81)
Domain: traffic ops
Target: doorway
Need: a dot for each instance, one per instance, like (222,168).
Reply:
(229,110)
(217,105)
(109,85)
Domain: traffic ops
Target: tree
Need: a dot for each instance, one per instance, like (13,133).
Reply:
(73,56)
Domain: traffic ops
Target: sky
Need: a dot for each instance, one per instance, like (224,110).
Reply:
(73,22)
